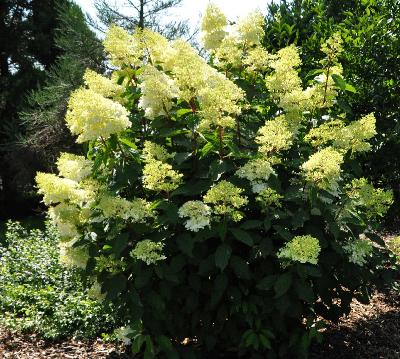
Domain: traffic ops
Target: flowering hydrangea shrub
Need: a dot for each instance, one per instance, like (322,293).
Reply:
(220,205)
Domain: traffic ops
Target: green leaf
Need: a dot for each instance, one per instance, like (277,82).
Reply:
(170,212)
(206,149)
(242,236)
(138,343)
(182,111)
(342,84)
(251,224)
(114,285)
(182,157)
(344,106)
(305,291)
(120,243)
(267,282)
(282,284)
(220,285)
(222,256)
(283,232)
(185,243)
(375,238)
(265,342)
(217,169)
(266,246)
(164,343)
(149,352)
(127,142)
(240,267)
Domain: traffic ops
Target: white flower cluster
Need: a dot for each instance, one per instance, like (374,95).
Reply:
(123,334)
(136,210)
(257,172)
(158,90)
(198,215)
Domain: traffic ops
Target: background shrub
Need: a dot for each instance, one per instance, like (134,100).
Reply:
(371,39)
(38,294)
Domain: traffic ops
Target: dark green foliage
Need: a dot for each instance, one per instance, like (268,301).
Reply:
(38,294)
(37,134)
(43,119)
(371,33)
(27,50)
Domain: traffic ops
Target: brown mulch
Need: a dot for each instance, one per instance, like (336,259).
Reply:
(370,332)
(31,346)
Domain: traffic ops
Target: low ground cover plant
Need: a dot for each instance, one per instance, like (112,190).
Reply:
(37,293)
(220,206)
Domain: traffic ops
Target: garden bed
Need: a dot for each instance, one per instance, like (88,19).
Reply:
(370,332)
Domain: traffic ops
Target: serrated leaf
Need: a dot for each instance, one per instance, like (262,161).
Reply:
(222,256)
(282,284)
(242,236)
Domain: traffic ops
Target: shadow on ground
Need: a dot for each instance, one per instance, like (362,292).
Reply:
(370,331)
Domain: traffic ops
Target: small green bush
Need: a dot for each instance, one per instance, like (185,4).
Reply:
(38,294)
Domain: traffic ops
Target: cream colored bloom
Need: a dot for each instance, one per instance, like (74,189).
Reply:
(375,201)
(274,136)
(158,90)
(198,215)
(229,52)
(102,85)
(137,210)
(251,28)
(160,177)
(219,100)
(74,167)
(188,69)
(123,334)
(257,59)
(56,189)
(73,256)
(91,116)
(212,26)
(323,168)
(148,251)
(153,151)
(354,136)
(226,199)
(121,47)
(257,172)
